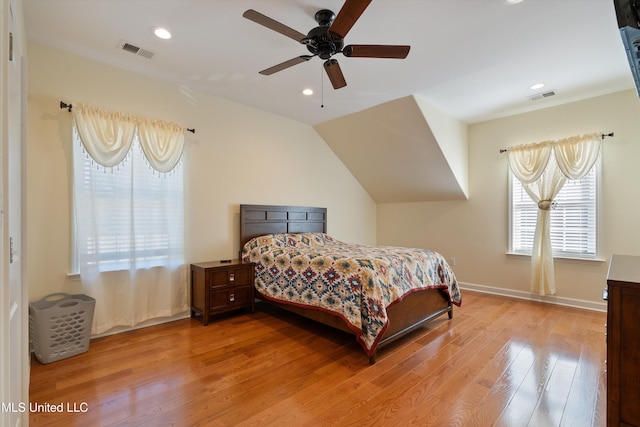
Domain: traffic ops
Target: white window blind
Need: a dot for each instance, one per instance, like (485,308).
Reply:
(573,218)
(127,217)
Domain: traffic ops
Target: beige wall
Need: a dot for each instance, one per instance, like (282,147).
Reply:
(475,232)
(238,155)
(244,155)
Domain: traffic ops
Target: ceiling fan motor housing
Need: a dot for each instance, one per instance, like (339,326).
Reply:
(320,41)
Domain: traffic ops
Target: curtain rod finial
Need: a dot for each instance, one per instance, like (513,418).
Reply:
(65,105)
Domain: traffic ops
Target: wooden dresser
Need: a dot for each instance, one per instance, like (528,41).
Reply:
(623,341)
(218,287)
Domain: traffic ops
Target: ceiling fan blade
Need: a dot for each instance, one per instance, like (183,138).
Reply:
(286,64)
(274,25)
(348,15)
(334,73)
(376,51)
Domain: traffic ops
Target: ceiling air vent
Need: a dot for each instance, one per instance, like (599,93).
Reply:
(542,95)
(131,48)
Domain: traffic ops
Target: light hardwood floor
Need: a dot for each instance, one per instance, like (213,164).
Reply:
(498,362)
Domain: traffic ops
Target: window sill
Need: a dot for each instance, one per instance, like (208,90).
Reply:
(560,258)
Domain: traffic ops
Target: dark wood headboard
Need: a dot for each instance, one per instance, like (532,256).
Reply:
(258,220)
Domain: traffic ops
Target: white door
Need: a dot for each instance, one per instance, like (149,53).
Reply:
(14,297)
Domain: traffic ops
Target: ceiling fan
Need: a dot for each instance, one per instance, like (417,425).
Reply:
(327,39)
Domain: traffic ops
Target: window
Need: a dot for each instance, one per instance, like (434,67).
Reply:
(574,218)
(126,217)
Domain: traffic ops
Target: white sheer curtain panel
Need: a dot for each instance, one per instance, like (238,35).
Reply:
(542,191)
(543,170)
(129,222)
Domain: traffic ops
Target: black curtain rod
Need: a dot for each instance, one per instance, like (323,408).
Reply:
(602,135)
(64,105)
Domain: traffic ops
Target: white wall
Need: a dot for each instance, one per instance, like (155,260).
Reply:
(238,155)
(475,232)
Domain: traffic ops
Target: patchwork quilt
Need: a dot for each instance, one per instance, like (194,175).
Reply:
(355,282)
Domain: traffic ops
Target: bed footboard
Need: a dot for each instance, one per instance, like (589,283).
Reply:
(412,312)
(405,316)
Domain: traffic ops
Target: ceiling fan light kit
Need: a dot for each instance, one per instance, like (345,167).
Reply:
(327,39)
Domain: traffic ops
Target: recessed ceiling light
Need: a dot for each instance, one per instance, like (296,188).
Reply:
(512,1)
(537,86)
(162,33)
(307,92)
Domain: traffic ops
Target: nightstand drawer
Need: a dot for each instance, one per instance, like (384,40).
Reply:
(229,298)
(230,277)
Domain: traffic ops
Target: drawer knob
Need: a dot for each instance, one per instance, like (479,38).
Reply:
(232,277)
(232,297)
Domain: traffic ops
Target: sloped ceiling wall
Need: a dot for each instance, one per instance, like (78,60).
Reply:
(402,151)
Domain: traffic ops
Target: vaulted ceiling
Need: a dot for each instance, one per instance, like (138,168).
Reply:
(470,61)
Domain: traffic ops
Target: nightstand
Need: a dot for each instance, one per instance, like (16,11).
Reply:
(218,287)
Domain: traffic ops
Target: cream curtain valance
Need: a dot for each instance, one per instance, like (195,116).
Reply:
(162,143)
(574,156)
(107,137)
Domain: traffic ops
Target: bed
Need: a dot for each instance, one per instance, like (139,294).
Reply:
(302,269)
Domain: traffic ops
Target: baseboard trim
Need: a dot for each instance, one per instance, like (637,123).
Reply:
(145,324)
(548,299)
